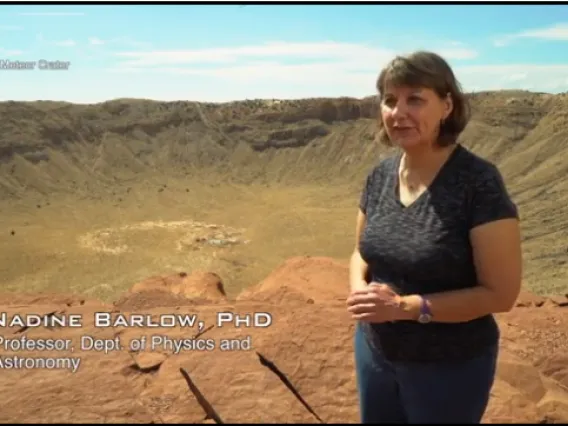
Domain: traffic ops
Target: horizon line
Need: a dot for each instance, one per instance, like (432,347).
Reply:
(354,98)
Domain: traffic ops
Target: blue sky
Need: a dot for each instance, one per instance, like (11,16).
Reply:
(221,53)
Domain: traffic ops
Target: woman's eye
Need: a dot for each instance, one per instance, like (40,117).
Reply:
(411,100)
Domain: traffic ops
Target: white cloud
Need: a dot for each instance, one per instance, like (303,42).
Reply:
(286,69)
(546,78)
(65,43)
(518,76)
(500,69)
(269,79)
(330,54)
(557,32)
(95,41)
(122,41)
(322,50)
(457,53)
(10,52)
(280,69)
(501,42)
(261,71)
(59,43)
(51,14)
(451,49)
(10,28)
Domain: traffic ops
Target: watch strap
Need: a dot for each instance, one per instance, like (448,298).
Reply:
(424,306)
(425,312)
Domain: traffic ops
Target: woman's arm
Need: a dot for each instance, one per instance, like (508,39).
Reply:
(498,261)
(494,235)
(357,266)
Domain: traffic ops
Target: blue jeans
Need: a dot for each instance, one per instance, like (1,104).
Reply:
(398,392)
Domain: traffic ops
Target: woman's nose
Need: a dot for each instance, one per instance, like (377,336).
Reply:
(399,109)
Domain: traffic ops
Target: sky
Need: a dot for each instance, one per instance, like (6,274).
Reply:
(221,53)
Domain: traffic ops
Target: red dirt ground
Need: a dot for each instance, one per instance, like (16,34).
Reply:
(284,376)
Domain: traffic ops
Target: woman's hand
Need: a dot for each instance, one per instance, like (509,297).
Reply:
(377,303)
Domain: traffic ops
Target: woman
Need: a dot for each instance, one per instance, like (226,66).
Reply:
(438,240)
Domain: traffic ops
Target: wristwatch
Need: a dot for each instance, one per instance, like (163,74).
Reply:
(425,313)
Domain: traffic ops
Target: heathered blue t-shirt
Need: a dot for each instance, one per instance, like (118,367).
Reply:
(425,248)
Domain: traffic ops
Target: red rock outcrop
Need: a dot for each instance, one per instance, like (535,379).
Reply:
(221,372)
(302,279)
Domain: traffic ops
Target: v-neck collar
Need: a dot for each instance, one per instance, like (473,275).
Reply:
(395,176)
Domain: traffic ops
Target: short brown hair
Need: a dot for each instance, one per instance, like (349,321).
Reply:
(429,70)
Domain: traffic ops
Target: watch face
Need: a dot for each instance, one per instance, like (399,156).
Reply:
(424,318)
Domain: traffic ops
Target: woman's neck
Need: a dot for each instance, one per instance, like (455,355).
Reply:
(425,159)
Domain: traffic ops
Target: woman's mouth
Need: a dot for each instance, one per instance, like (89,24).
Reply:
(401,129)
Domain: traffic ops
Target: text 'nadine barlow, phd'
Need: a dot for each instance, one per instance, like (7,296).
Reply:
(21,351)
(108,319)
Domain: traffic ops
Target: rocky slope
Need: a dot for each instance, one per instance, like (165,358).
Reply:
(44,144)
(91,152)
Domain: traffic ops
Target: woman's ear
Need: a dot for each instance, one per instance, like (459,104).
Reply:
(448,105)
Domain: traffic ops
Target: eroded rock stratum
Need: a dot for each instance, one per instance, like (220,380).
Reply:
(298,369)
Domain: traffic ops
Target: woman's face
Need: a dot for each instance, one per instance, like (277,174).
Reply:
(412,116)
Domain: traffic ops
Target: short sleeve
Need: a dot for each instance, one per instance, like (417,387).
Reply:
(490,200)
(364,200)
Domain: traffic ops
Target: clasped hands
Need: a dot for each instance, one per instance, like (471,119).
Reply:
(377,303)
